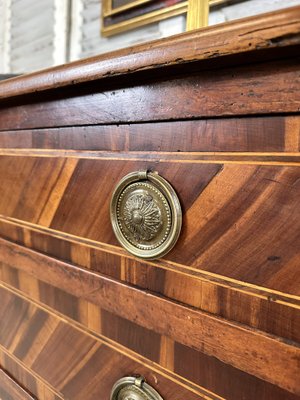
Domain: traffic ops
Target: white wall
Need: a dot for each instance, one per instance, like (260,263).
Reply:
(4,35)
(31,35)
(36,34)
(1,36)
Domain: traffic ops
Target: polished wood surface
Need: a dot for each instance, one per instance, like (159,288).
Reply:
(10,390)
(247,134)
(55,197)
(249,90)
(276,30)
(25,378)
(219,316)
(268,310)
(194,329)
(89,366)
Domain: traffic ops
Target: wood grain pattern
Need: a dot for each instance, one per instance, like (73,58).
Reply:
(89,367)
(10,390)
(214,112)
(160,100)
(266,310)
(249,134)
(247,220)
(205,369)
(26,378)
(187,326)
(273,30)
(278,158)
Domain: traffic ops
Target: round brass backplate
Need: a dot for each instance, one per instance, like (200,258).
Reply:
(131,388)
(145,214)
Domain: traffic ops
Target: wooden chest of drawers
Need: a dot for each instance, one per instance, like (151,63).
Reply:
(216,113)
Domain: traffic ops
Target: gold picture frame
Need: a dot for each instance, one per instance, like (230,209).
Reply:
(137,13)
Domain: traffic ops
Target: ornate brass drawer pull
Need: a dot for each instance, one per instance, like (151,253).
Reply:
(131,388)
(145,214)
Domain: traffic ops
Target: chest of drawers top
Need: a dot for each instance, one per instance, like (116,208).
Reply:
(181,77)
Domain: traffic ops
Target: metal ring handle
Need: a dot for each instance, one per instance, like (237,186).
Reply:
(145,214)
(133,388)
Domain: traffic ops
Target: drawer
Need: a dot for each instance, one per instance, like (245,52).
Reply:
(240,216)
(74,363)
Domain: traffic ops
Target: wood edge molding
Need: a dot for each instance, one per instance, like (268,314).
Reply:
(103,153)
(276,30)
(193,387)
(276,158)
(204,329)
(247,288)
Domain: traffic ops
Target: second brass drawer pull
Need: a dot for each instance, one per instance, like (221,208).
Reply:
(131,388)
(145,214)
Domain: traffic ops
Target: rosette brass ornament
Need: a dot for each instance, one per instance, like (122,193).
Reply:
(145,214)
(131,388)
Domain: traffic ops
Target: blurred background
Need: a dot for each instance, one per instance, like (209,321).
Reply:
(36,34)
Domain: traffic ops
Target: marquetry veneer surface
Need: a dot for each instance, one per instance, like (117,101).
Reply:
(218,317)
(10,390)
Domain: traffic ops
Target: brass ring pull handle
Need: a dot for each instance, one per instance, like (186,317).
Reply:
(131,388)
(145,214)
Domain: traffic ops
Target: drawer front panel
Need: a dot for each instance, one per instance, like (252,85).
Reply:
(75,362)
(245,134)
(240,219)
